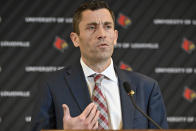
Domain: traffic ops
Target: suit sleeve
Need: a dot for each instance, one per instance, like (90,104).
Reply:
(156,108)
(43,114)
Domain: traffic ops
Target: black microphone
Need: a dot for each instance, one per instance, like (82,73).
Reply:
(131,93)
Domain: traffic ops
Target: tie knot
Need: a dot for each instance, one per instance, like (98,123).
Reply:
(98,78)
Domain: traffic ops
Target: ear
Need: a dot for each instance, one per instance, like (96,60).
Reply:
(75,39)
(115,37)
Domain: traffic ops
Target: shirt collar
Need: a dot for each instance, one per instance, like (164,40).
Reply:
(109,72)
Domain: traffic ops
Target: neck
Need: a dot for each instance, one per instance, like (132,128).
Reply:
(98,66)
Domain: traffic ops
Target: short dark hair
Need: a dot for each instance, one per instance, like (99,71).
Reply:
(91,5)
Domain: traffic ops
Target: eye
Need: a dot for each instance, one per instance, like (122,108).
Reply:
(108,27)
(91,27)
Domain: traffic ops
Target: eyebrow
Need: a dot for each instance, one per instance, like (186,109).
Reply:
(94,23)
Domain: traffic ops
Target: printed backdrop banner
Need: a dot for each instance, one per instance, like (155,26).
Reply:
(156,38)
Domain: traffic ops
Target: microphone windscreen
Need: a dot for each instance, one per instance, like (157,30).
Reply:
(127,87)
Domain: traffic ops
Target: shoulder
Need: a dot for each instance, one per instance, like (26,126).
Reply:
(139,82)
(138,77)
(56,76)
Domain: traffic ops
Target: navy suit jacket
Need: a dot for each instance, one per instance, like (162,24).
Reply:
(68,86)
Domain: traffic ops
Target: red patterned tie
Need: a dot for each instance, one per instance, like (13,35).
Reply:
(100,101)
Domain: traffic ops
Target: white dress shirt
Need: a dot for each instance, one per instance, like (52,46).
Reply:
(109,88)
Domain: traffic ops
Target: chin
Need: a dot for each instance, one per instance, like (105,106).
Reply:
(104,57)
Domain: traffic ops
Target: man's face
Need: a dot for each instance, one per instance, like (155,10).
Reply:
(97,35)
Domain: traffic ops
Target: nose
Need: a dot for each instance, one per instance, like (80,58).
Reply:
(101,34)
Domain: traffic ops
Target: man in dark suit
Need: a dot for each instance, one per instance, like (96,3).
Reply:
(68,99)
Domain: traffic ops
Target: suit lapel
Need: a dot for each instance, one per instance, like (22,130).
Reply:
(126,104)
(79,89)
(78,86)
